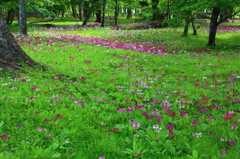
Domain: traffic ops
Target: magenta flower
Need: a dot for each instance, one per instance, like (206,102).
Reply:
(120,110)
(154,111)
(131,121)
(195,123)
(48,135)
(225,150)
(5,136)
(19,127)
(232,143)
(170,127)
(144,113)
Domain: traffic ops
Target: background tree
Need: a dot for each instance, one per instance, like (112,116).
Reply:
(22,17)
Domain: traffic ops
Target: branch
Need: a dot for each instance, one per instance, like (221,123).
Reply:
(222,20)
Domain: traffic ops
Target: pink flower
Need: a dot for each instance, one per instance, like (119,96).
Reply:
(48,135)
(127,100)
(5,136)
(195,123)
(170,127)
(144,113)
(139,154)
(236,100)
(154,111)
(41,129)
(47,119)
(225,150)
(136,125)
(232,143)
(102,100)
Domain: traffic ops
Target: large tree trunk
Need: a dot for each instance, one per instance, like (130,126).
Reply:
(22,17)
(11,54)
(213,26)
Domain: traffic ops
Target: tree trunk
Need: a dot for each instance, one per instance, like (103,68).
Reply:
(74,12)
(98,16)
(155,15)
(90,12)
(193,26)
(85,8)
(129,13)
(187,21)
(103,14)
(22,17)
(10,52)
(10,16)
(116,11)
(80,11)
(213,26)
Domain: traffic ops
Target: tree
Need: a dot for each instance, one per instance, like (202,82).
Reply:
(11,55)
(217,18)
(22,17)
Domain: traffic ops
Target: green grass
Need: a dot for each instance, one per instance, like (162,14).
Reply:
(97,87)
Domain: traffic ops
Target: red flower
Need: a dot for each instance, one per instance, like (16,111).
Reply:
(197,85)
(127,100)
(115,129)
(139,154)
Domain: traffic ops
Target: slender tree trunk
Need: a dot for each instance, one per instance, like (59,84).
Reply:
(193,26)
(80,10)
(187,21)
(116,11)
(90,12)
(213,27)
(103,13)
(10,52)
(85,8)
(98,16)
(129,13)
(155,15)
(22,17)
(74,12)
(10,16)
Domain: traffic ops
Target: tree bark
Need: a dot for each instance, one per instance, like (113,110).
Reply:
(213,26)
(90,12)
(11,54)
(10,16)
(129,13)
(155,15)
(187,21)
(193,26)
(98,16)
(103,13)
(22,17)
(80,10)
(116,12)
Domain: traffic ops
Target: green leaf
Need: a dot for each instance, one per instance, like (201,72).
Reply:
(56,155)
(195,154)
(1,124)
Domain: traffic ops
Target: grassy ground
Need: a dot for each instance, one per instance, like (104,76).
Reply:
(123,94)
